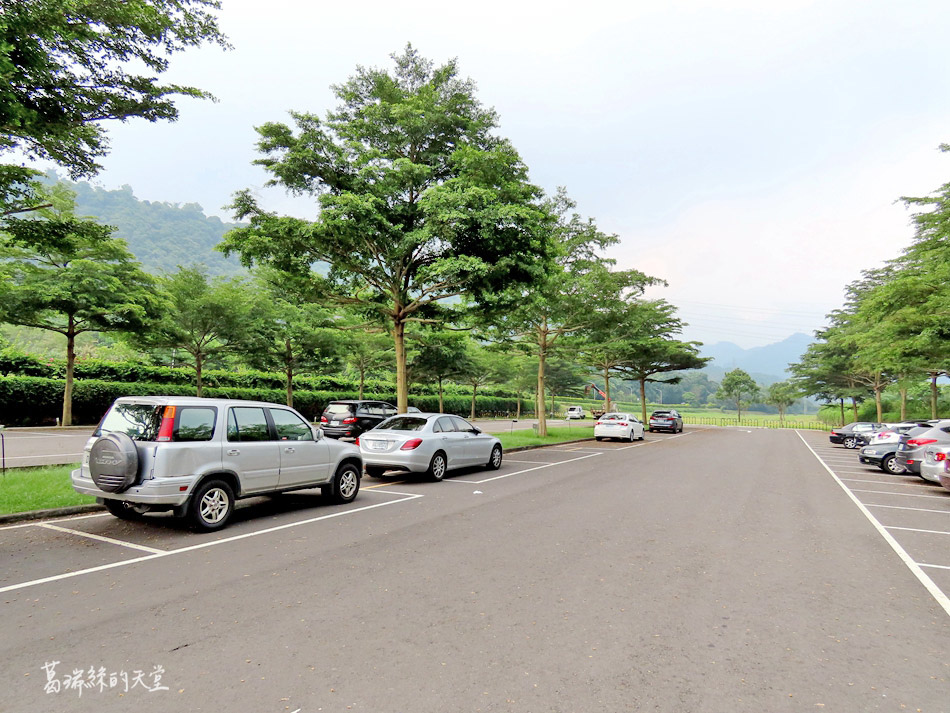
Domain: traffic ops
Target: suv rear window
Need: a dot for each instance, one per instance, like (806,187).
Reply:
(661,414)
(140,422)
(338,409)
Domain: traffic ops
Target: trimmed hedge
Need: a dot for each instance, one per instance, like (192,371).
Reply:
(35,401)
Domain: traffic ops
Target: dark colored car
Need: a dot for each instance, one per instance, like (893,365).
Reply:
(666,420)
(910,450)
(882,451)
(848,436)
(349,418)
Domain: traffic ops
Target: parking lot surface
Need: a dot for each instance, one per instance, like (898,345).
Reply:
(715,570)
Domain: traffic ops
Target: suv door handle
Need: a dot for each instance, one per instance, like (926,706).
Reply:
(288,449)
(233,452)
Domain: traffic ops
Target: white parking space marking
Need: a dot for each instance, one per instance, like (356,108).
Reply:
(913,566)
(101,538)
(914,529)
(902,495)
(519,472)
(898,507)
(934,566)
(77,456)
(168,553)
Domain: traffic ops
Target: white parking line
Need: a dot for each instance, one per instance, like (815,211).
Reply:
(898,507)
(100,538)
(942,599)
(934,566)
(77,456)
(213,543)
(518,472)
(914,529)
(903,495)
(64,519)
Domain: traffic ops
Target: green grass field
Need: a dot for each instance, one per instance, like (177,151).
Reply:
(26,489)
(560,434)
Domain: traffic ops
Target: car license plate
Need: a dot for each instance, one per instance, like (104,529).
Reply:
(377,445)
(902,447)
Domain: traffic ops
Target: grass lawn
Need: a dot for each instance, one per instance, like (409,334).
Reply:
(25,489)
(560,434)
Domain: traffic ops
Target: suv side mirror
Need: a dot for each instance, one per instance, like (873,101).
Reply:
(317,432)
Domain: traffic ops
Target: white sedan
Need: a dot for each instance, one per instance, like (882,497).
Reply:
(625,426)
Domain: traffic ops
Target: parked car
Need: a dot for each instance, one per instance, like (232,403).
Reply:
(576,412)
(910,450)
(197,456)
(848,435)
(430,443)
(934,463)
(666,420)
(625,426)
(349,418)
(882,452)
(870,437)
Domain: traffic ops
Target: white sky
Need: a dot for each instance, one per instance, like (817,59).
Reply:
(749,152)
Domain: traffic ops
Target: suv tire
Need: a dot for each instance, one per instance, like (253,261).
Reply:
(346,484)
(211,506)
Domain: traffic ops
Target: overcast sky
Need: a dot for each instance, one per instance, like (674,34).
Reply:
(750,153)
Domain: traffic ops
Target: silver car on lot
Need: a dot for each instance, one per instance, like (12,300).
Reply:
(614,424)
(430,443)
(197,456)
(935,463)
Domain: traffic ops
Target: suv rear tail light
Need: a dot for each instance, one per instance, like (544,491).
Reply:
(323,419)
(921,441)
(411,444)
(167,429)
(940,456)
(357,441)
(351,419)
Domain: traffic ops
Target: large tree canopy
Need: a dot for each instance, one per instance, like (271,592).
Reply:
(68,65)
(419,201)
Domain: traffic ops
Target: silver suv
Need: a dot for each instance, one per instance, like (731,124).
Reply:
(197,456)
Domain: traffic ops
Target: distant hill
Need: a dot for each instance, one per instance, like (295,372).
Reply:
(161,235)
(766,364)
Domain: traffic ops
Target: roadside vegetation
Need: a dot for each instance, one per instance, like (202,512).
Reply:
(27,489)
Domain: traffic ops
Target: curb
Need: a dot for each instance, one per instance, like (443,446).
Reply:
(80,509)
(52,512)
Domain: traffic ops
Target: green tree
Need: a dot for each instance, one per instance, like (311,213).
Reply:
(782,394)
(70,276)
(419,200)
(303,336)
(366,354)
(649,347)
(69,65)
(575,297)
(740,388)
(442,356)
(209,318)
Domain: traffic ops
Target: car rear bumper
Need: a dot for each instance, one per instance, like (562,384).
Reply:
(158,491)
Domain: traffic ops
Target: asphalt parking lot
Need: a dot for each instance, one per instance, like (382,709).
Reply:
(719,569)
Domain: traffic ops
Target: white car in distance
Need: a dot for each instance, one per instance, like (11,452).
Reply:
(615,424)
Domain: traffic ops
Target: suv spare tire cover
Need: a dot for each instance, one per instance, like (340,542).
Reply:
(113,462)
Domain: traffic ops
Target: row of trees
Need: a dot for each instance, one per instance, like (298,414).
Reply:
(427,224)
(894,328)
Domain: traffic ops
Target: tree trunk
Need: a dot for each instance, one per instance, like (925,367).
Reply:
(933,393)
(518,408)
(362,380)
(877,402)
(441,402)
(841,403)
(289,361)
(607,390)
(739,409)
(399,341)
(903,393)
(198,374)
(542,416)
(854,407)
(474,393)
(70,365)
(643,398)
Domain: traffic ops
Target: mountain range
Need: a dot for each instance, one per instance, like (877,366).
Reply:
(766,364)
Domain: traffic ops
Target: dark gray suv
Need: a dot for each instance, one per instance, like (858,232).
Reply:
(197,456)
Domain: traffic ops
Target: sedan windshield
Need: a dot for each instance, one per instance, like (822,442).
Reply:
(403,423)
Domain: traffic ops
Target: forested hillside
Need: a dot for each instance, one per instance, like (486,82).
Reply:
(161,235)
